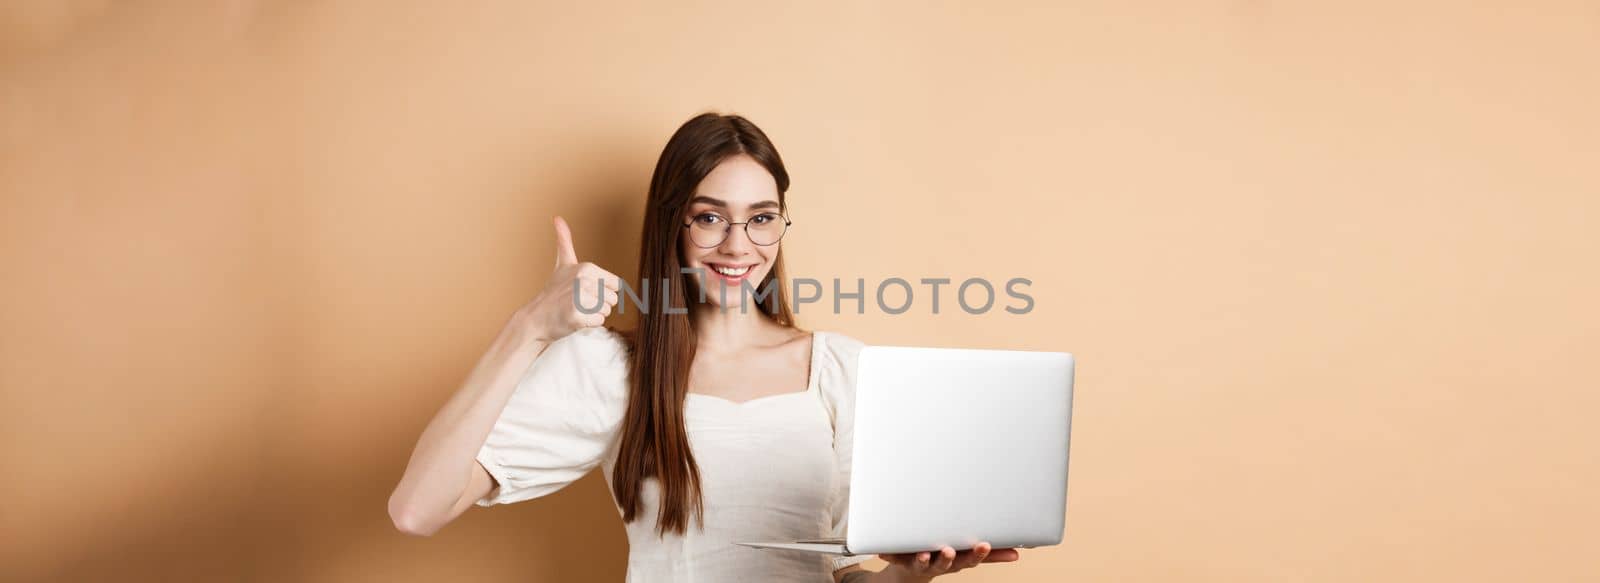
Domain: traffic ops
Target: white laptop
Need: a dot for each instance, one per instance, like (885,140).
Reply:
(954,447)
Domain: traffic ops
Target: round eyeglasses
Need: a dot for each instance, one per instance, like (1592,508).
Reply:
(709,230)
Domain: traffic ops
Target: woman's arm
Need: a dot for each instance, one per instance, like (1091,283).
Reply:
(443,478)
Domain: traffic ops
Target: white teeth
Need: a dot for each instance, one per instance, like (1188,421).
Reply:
(732,271)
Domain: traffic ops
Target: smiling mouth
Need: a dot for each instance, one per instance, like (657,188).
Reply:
(730,271)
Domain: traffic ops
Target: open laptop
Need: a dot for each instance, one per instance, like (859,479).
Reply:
(954,447)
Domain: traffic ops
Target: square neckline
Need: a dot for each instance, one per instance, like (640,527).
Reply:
(811,381)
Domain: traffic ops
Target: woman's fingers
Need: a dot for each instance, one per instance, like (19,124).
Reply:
(1003,556)
(564,254)
(605,278)
(907,561)
(975,557)
(947,558)
(596,294)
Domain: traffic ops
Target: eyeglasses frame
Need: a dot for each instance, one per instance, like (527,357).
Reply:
(727,232)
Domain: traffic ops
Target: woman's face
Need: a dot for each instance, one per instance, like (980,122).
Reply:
(737,190)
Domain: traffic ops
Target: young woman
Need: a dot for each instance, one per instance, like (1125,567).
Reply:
(717,420)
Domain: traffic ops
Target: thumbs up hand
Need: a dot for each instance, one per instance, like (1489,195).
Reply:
(555,313)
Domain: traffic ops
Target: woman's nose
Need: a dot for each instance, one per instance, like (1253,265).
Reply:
(737,242)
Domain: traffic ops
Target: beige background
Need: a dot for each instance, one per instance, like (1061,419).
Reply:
(1329,271)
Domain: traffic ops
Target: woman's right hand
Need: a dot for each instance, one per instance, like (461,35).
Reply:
(555,312)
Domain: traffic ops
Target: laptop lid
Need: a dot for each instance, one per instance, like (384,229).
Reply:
(956,446)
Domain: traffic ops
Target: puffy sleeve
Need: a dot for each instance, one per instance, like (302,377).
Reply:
(837,382)
(561,418)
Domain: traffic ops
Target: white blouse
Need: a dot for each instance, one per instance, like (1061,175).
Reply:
(776,468)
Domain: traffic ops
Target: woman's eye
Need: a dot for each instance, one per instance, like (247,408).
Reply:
(764,218)
(707,219)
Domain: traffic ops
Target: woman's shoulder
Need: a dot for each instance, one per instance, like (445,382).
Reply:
(598,346)
(837,354)
(839,345)
(578,383)
(836,375)
(588,364)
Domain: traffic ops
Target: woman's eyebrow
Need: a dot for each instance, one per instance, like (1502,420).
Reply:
(717,202)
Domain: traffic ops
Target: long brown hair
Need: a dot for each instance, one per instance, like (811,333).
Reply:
(655,443)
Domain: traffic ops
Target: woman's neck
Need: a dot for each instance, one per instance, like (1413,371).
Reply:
(723,330)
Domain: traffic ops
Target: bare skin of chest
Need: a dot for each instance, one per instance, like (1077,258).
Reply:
(753,372)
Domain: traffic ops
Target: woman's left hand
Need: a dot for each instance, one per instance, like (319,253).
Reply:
(926,565)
